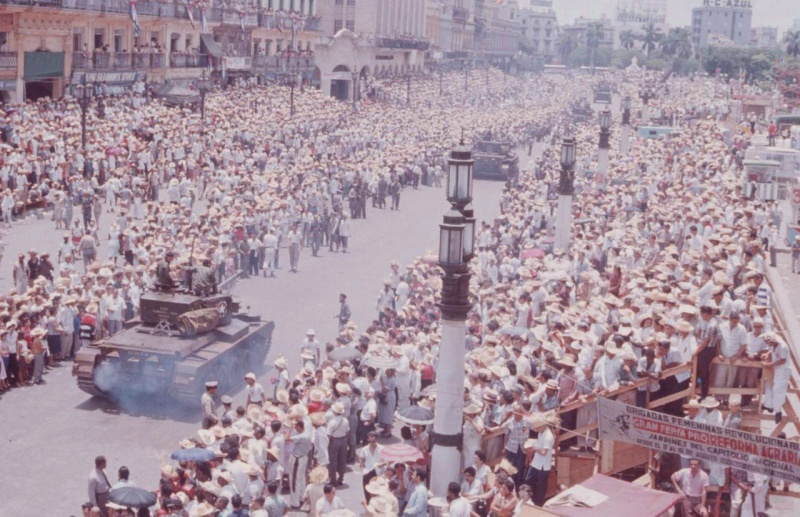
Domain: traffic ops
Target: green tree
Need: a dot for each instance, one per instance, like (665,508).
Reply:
(594,36)
(627,39)
(677,43)
(650,39)
(566,45)
(757,64)
(792,40)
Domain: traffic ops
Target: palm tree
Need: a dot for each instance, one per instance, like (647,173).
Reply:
(651,37)
(627,39)
(566,44)
(792,40)
(594,36)
(677,43)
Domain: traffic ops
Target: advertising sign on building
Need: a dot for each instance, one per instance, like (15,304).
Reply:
(641,11)
(744,4)
(738,449)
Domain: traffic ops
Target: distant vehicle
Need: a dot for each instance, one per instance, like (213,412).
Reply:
(494,160)
(555,69)
(582,112)
(602,94)
(656,131)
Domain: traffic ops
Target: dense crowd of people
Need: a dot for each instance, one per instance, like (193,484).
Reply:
(666,268)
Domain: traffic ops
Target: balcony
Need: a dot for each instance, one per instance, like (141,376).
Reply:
(460,14)
(278,63)
(8,60)
(166,9)
(120,61)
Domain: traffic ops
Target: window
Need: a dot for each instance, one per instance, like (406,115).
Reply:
(98,38)
(337,26)
(77,40)
(118,40)
(351,25)
(339,2)
(187,44)
(351,2)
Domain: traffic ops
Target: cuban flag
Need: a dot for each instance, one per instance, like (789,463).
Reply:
(135,19)
(203,23)
(189,13)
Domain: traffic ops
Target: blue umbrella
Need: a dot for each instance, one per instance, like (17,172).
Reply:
(132,497)
(196,454)
(514,331)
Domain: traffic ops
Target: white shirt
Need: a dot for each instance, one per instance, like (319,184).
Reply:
(255,394)
(546,440)
(370,458)
(460,508)
(324,507)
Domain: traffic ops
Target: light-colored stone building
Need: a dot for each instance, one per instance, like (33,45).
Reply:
(48,45)
(539,30)
(363,38)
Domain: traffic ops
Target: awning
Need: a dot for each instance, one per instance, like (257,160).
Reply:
(212,46)
(43,65)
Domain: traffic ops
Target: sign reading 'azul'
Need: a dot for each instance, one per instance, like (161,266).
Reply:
(746,4)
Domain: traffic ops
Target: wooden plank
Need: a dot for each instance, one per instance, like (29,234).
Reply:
(732,391)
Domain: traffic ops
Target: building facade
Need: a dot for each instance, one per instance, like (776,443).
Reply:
(539,28)
(449,27)
(764,37)
(498,30)
(719,20)
(51,44)
(363,38)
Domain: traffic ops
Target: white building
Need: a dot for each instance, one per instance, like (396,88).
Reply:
(368,37)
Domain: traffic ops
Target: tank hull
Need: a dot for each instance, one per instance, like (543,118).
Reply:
(138,361)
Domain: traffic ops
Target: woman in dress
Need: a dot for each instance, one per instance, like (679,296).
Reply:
(387,403)
(505,501)
(113,242)
(473,432)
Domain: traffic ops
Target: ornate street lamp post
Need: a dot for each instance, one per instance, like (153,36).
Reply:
(355,87)
(624,141)
(566,189)
(646,95)
(604,145)
(456,248)
(85,92)
(203,86)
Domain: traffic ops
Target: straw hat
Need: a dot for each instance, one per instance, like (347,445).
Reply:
(684,326)
(380,506)
(280,362)
(316,394)
(472,409)
(282,396)
(377,485)
(317,419)
(710,402)
(693,404)
(319,475)
(506,467)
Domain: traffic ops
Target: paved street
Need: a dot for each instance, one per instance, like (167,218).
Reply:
(59,429)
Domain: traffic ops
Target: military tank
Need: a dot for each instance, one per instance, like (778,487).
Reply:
(179,342)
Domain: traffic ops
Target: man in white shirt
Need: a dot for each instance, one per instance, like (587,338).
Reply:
(311,345)
(539,469)
(99,486)
(733,345)
(459,506)
(329,501)
(255,392)
(115,307)
(368,458)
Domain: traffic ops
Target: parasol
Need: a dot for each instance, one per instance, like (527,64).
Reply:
(428,391)
(533,253)
(514,331)
(132,497)
(196,454)
(116,151)
(415,415)
(399,453)
(381,362)
(344,354)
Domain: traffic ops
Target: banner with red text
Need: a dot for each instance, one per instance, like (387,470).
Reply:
(667,433)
